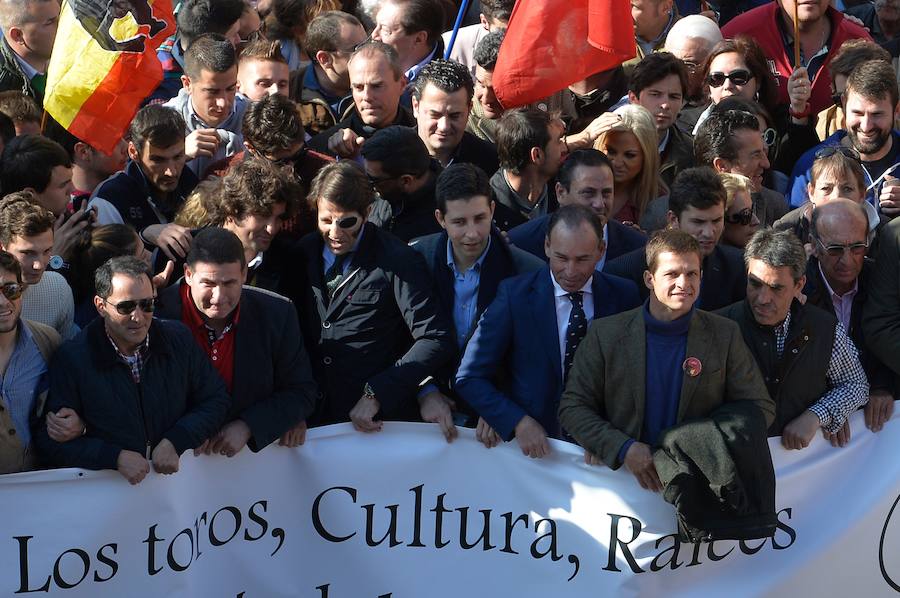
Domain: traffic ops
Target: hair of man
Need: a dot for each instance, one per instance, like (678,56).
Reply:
(777,249)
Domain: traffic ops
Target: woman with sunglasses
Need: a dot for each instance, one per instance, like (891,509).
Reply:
(632,147)
(738,68)
(740,221)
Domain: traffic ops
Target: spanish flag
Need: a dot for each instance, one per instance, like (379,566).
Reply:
(551,44)
(104,65)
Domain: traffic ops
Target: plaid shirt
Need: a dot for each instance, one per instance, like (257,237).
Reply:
(848,388)
(134,362)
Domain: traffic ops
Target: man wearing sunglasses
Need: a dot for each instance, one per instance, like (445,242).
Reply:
(371,324)
(26,348)
(144,390)
(810,366)
(322,89)
(837,281)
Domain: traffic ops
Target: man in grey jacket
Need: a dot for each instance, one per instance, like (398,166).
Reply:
(208,103)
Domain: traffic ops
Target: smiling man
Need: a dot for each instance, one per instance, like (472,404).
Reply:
(659,83)
(208,102)
(643,371)
(809,364)
(529,333)
(252,339)
(697,206)
(373,329)
(441,100)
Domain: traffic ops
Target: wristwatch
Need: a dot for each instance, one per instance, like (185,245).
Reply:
(368,393)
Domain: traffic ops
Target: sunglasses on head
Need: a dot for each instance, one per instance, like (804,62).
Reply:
(837,250)
(12,290)
(738,77)
(831,150)
(127,307)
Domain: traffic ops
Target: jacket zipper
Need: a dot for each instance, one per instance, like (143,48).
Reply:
(140,389)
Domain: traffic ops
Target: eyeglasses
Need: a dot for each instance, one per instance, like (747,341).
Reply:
(837,250)
(770,136)
(744,217)
(738,77)
(292,159)
(828,151)
(12,290)
(127,307)
(354,48)
(374,180)
(690,66)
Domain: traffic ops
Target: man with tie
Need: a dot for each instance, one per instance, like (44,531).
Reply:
(529,333)
(643,371)
(372,328)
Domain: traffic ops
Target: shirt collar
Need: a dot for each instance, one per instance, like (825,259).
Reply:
(28,70)
(451,261)
(142,350)
(256,261)
(413,71)
(664,142)
(785,326)
(558,291)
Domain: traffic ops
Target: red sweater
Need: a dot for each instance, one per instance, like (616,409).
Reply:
(761,24)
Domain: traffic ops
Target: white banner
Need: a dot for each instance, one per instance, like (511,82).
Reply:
(403,514)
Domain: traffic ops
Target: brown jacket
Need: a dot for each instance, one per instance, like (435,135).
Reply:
(603,404)
(13,456)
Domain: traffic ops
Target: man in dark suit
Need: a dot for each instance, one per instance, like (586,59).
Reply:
(697,206)
(252,339)
(643,371)
(586,179)
(467,262)
(529,334)
(837,279)
(372,327)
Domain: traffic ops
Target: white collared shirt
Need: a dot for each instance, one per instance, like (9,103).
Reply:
(564,310)
(602,262)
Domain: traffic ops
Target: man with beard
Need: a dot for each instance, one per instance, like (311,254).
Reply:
(870,103)
(153,185)
(586,179)
(696,206)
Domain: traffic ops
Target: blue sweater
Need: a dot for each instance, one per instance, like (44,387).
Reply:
(666,349)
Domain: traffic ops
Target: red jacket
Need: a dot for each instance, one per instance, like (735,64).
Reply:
(760,23)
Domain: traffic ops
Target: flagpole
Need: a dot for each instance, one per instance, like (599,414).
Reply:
(459,18)
(796,36)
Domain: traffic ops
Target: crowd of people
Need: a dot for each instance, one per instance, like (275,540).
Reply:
(317,218)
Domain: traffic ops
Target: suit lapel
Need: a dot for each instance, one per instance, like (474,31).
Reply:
(633,347)
(544,316)
(699,343)
(360,265)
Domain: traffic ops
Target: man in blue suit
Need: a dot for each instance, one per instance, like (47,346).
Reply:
(585,179)
(528,335)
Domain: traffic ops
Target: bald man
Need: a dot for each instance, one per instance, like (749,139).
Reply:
(836,282)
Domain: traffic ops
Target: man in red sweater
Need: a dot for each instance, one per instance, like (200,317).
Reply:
(822,31)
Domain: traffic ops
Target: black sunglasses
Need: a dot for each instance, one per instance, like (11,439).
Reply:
(831,150)
(12,290)
(292,159)
(744,217)
(127,307)
(738,77)
(837,250)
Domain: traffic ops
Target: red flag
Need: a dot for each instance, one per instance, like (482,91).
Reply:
(551,44)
